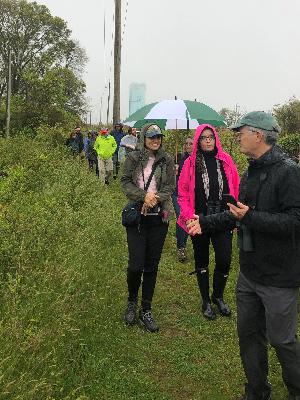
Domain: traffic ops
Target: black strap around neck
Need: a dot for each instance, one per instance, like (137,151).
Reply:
(155,165)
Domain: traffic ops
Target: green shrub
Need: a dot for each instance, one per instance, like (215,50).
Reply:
(51,251)
(290,143)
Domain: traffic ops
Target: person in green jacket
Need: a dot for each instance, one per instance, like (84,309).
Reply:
(105,146)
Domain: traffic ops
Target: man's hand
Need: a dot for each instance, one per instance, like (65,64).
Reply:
(238,212)
(151,199)
(193,226)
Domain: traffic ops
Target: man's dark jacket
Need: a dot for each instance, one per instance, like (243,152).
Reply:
(271,188)
(79,140)
(118,135)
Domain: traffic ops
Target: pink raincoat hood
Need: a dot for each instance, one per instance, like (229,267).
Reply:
(221,155)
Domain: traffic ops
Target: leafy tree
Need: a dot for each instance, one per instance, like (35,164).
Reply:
(288,115)
(50,97)
(46,62)
(231,116)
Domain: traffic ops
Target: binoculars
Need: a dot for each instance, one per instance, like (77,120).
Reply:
(214,207)
(244,238)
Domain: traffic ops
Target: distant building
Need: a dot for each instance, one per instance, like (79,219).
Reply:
(137,93)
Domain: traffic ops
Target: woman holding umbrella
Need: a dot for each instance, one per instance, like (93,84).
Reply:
(206,176)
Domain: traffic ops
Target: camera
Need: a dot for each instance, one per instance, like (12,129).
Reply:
(154,210)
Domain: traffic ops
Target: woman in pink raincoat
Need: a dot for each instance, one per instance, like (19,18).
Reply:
(208,174)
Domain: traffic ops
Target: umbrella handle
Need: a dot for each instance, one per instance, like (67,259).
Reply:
(176,157)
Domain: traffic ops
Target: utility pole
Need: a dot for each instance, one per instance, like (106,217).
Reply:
(8,95)
(108,101)
(117,62)
(100,122)
(236,112)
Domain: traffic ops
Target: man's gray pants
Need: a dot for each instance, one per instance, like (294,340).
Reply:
(267,314)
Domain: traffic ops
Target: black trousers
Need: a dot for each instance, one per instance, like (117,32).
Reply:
(93,163)
(222,245)
(145,246)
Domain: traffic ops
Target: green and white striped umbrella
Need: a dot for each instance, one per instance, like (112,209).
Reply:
(175,114)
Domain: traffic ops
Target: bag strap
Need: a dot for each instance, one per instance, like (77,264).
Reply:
(155,165)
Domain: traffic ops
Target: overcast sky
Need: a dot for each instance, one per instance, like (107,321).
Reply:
(223,53)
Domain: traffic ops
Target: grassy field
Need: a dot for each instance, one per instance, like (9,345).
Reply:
(63,264)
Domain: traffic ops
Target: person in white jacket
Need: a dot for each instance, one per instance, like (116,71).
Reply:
(128,143)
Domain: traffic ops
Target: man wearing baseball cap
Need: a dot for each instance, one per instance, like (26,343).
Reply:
(268,220)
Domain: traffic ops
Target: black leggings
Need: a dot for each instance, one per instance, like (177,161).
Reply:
(222,244)
(144,247)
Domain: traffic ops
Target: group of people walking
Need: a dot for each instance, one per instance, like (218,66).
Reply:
(103,150)
(210,202)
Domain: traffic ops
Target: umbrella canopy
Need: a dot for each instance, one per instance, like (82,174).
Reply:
(175,114)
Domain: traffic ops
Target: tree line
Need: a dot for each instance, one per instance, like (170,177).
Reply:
(46,75)
(46,67)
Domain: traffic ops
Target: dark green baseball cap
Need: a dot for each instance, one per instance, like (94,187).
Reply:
(258,119)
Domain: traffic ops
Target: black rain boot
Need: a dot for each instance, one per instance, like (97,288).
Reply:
(219,284)
(203,284)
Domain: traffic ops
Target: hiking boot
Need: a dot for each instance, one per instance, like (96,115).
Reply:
(130,313)
(208,311)
(146,319)
(222,306)
(181,252)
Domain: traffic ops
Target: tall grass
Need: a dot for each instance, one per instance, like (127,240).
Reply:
(63,262)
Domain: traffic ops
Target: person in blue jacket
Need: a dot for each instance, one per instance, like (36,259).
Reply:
(117,134)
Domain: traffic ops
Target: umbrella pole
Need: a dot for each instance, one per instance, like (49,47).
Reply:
(176,149)
(176,144)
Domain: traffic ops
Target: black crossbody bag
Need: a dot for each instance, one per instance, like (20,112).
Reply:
(131,213)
